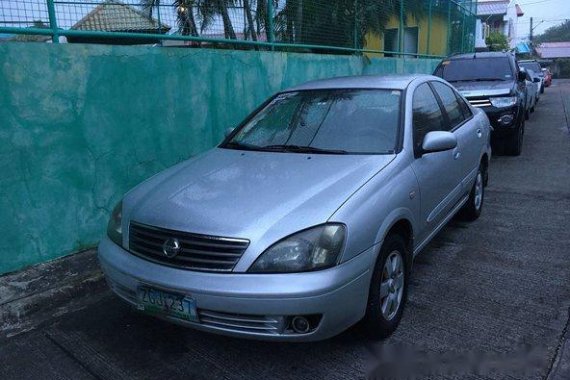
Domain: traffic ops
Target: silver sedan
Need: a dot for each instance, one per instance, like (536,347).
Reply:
(308,216)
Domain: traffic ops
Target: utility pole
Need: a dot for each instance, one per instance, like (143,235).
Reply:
(531,28)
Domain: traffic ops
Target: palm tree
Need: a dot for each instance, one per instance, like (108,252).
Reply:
(185,17)
(340,22)
(148,6)
(221,8)
(250,28)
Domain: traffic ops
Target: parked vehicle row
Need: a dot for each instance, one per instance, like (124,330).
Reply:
(308,216)
(506,89)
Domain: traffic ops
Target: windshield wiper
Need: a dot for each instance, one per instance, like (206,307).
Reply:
(477,80)
(241,146)
(301,149)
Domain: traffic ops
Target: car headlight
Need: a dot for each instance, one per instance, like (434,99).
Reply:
(504,102)
(114,229)
(309,250)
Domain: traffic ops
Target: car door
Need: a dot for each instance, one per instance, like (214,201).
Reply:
(439,173)
(470,137)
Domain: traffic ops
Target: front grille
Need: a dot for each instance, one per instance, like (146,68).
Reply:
(480,102)
(259,324)
(198,252)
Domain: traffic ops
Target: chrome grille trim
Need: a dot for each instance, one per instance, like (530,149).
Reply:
(258,324)
(199,252)
(480,102)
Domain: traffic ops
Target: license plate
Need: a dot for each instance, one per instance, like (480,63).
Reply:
(156,301)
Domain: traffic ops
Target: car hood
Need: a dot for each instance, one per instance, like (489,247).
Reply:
(247,194)
(479,89)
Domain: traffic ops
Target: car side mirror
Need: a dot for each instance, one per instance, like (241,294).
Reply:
(438,141)
(536,80)
(522,76)
(228,132)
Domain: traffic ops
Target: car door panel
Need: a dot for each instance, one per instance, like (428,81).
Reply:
(438,174)
(470,135)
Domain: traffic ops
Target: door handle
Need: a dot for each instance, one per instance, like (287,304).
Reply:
(456,155)
(479,133)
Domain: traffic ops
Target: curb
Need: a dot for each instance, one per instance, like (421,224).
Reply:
(37,294)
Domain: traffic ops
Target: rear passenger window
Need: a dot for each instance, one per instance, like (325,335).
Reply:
(450,103)
(427,115)
(464,107)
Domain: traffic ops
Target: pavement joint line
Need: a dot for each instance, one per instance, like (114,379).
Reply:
(558,356)
(565,110)
(71,356)
(542,195)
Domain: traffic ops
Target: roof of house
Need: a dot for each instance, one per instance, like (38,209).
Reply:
(554,49)
(488,8)
(114,16)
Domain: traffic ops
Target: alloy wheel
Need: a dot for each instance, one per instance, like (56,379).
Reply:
(392,285)
(478,199)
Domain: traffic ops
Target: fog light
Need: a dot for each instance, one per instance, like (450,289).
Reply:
(506,119)
(300,325)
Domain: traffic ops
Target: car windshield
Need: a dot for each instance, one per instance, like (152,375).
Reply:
(476,69)
(534,66)
(324,121)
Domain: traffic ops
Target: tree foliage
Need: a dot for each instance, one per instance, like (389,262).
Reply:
(497,41)
(324,22)
(560,33)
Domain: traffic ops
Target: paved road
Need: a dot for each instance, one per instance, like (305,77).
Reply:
(487,300)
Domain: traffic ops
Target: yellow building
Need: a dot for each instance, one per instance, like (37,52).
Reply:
(420,36)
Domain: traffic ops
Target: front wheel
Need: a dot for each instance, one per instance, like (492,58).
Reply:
(514,142)
(388,289)
(472,209)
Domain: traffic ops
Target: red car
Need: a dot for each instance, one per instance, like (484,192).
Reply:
(547,77)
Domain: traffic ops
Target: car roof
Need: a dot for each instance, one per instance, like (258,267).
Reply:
(486,54)
(389,82)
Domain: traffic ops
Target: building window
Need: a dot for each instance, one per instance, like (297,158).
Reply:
(411,40)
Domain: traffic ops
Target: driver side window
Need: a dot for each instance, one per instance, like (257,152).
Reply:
(427,115)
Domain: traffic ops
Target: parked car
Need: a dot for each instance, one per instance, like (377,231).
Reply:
(537,80)
(493,82)
(306,219)
(547,77)
(532,64)
(531,93)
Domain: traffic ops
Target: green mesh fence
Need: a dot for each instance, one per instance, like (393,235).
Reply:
(414,28)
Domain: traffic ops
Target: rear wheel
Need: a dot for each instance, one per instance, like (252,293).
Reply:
(527,115)
(514,142)
(472,209)
(388,289)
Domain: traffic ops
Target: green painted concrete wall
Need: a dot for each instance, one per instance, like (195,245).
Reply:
(82,124)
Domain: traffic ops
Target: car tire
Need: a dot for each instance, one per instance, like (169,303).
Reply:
(527,114)
(388,290)
(472,209)
(542,89)
(514,142)
(532,109)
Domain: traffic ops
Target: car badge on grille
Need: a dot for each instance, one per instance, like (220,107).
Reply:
(171,248)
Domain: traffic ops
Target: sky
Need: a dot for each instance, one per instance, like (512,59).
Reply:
(553,12)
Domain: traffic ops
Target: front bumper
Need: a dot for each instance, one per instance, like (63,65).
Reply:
(246,305)
(495,114)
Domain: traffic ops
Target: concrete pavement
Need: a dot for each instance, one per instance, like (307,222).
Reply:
(488,300)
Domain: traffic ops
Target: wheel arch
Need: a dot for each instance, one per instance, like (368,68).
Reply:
(401,223)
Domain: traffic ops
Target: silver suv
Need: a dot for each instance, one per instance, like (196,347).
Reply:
(307,218)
